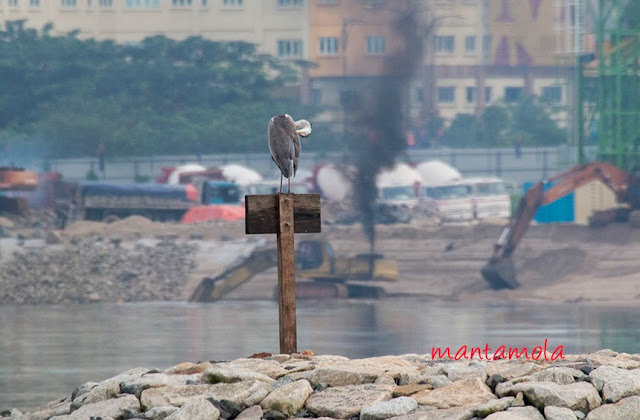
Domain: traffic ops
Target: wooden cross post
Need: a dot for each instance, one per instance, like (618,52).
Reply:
(284,215)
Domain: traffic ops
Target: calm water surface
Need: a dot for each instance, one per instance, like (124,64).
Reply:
(46,351)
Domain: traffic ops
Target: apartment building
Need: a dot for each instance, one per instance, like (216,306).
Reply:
(493,50)
(278,27)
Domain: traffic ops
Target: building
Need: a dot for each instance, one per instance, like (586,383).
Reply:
(278,27)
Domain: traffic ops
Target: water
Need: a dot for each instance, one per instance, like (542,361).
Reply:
(46,351)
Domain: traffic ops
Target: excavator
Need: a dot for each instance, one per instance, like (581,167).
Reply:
(13,178)
(500,272)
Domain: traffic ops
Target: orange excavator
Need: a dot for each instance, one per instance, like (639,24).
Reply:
(13,178)
(500,272)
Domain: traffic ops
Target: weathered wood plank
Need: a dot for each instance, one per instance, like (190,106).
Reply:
(261,213)
(286,275)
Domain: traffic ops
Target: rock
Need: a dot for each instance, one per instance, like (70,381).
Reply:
(199,409)
(251,413)
(626,408)
(455,413)
(228,409)
(459,393)
(187,368)
(109,408)
(341,376)
(511,369)
(618,383)
(558,413)
(494,406)
(457,371)
(559,375)
(576,396)
(155,380)
(385,409)
(344,402)
(517,413)
(407,390)
(159,413)
(271,368)
(52,409)
(52,238)
(100,392)
(289,398)
(385,380)
(222,374)
(244,394)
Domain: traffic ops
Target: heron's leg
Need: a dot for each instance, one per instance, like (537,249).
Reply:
(280,183)
(289,182)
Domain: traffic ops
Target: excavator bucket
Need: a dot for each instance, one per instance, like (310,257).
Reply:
(500,274)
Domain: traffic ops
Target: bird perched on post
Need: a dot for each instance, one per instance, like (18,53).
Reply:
(284,144)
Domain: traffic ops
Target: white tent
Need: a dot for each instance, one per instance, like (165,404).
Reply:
(400,175)
(241,175)
(435,172)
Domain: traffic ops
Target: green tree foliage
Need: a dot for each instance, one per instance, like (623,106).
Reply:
(62,95)
(526,121)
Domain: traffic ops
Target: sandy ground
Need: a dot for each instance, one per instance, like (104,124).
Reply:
(555,263)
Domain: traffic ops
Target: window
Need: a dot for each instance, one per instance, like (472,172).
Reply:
(446,95)
(488,92)
(471,95)
(328,45)
(419,94)
(34,4)
(105,4)
(290,48)
(142,4)
(181,3)
(512,94)
(290,3)
(445,44)
(69,4)
(205,3)
(328,1)
(369,4)
(375,45)
(231,3)
(89,3)
(552,94)
(486,46)
(470,44)
(13,3)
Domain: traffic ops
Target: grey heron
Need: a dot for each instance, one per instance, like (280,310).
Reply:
(284,144)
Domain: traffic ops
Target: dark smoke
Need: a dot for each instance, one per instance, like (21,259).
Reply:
(380,113)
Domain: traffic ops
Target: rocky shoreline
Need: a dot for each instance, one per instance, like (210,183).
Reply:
(600,385)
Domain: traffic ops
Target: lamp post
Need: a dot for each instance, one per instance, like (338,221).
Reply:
(580,62)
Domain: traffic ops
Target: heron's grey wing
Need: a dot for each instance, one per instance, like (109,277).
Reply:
(280,145)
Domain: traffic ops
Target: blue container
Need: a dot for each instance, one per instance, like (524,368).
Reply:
(560,210)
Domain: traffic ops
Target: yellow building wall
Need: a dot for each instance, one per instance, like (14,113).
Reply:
(357,21)
(591,197)
(523,32)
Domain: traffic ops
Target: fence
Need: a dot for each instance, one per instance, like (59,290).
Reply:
(532,164)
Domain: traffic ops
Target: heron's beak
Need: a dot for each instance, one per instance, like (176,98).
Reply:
(303,128)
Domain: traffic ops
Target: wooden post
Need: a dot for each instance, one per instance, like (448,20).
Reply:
(286,276)
(284,215)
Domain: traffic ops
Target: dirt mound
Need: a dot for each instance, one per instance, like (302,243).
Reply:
(552,266)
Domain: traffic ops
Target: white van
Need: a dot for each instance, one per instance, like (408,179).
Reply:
(450,201)
(490,197)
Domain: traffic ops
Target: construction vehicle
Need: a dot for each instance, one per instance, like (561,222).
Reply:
(500,272)
(99,200)
(14,180)
(319,273)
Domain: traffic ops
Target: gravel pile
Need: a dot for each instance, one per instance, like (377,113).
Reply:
(96,269)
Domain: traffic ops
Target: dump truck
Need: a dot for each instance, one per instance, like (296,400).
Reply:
(161,202)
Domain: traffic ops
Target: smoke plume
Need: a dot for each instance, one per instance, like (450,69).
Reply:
(380,113)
